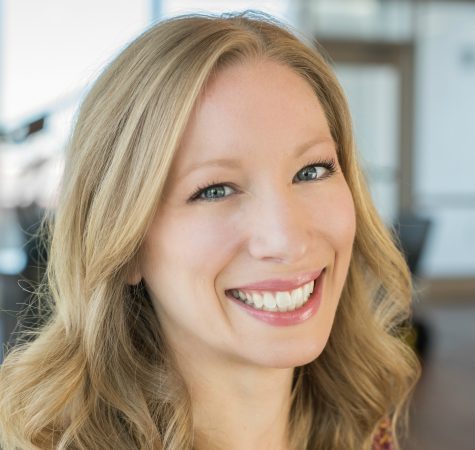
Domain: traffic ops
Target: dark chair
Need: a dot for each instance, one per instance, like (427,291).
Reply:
(412,232)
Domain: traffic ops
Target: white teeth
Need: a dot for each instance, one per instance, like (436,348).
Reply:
(269,302)
(257,300)
(309,288)
(297,297)
(283,300)
(276,301)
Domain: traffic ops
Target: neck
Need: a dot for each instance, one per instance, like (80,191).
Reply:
(239,407)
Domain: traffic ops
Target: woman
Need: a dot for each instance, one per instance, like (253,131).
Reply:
(218,275)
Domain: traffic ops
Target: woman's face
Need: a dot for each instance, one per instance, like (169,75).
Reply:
(255,207)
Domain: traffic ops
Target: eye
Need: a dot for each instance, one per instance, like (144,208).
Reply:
(315,171)
(212,193)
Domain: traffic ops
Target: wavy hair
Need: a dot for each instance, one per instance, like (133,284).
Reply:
(98,373)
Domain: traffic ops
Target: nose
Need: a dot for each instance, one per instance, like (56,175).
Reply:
(279,229)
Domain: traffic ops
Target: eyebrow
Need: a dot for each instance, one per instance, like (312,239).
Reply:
(232,163)
(303,148)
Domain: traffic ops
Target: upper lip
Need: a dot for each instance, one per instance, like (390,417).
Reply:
(280,284)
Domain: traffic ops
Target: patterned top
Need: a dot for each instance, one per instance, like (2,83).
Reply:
(383,439)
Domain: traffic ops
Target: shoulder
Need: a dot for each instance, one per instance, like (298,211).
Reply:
(383,439)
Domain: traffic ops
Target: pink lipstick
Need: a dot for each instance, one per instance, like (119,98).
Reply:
(287,318)
(282,285)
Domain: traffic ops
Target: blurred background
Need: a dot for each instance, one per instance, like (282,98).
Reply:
(408,68)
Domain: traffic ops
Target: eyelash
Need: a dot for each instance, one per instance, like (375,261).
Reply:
(328,164)
(200,189)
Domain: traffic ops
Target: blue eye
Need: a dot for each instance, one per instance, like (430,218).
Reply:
(212,193)
(315,171)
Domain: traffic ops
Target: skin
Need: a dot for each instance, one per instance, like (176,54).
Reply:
(260,115)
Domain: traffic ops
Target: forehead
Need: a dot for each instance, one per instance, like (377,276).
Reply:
(257,90)
(253,106)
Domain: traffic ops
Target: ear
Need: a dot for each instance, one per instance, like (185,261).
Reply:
(133,275)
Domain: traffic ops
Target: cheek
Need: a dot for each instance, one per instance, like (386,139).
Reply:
(345,228)
(191,244)
(340,228)
(336,218)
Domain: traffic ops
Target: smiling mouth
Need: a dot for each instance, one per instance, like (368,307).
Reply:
(275,301)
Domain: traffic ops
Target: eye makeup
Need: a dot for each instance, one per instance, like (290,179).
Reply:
(212,192)
(309,173)
(216,190)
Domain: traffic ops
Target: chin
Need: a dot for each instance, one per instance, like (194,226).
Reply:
(285,358)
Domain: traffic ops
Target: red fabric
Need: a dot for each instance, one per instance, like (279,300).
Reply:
(383,440)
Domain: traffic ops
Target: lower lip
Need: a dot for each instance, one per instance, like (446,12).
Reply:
(287,318)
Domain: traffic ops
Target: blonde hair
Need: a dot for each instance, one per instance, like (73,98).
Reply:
(98,374)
